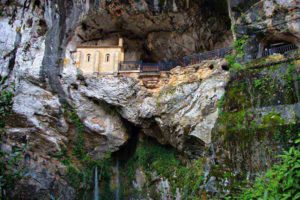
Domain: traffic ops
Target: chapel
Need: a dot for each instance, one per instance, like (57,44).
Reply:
(102,59)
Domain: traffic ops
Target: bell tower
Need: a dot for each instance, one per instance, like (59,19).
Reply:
(120,42)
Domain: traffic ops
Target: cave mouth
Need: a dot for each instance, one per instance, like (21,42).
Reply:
(278,40)
(127,150)
(158,36)
(137,140)
(137,162)
(275,45)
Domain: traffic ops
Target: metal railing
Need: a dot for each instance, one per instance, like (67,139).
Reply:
(168,65)
(197,58)
(130,66)
(147,67)
(193,59)
(150,67)
(279,49)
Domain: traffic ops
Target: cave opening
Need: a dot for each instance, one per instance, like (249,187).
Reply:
(275,45)
(127,150)
(133,165)
(136,138)
(158,36)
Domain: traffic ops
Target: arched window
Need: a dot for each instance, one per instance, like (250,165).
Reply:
(88,57)
(107,57)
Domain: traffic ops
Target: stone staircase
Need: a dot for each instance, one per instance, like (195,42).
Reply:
(150,81)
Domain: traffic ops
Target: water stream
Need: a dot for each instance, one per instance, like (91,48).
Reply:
(96,185)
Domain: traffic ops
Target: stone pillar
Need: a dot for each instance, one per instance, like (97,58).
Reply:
(78,58)
(115,62)
(96,62)
(121,42)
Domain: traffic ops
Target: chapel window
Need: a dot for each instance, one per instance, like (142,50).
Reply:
(88,57)
(107,57)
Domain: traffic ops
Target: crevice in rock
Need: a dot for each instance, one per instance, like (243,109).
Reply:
(18,39)
(195,147)
(59,33)
(127,150)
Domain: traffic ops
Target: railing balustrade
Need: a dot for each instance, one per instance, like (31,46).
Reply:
(197,58)
(150,67)
(130,66)
(279,49)
(193,59)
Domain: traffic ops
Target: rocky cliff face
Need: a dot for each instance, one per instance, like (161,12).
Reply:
(266,22)
(259,118)
(159,30)
(182,110)
(34,38)
(37,36)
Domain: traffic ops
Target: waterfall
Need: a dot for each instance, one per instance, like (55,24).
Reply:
(96,185)
(156,5)
(117,191)
(175,9)
(165,189)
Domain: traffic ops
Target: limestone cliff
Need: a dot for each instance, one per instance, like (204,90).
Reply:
(182,111)
(53,101)
(266,22)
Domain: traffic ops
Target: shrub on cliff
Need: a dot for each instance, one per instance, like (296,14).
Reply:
(280,182)
(11,169)
(163,161)
(6,97)
(234,60)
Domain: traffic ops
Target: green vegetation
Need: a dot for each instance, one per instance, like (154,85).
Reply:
(6,97)
(234,60)
(291,78)
(78,149)
(269,61)
(234,65)
(220,104)
(285,135)
(257,83)
(11,169)
(252,137)
(239,131)
(290,72)
(239,46)
(81,177)
(80,166)
(282,181)
(163,160)
(261,87)
(271,120)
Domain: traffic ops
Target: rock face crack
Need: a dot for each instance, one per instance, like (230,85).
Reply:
(63,15)
(18,39)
